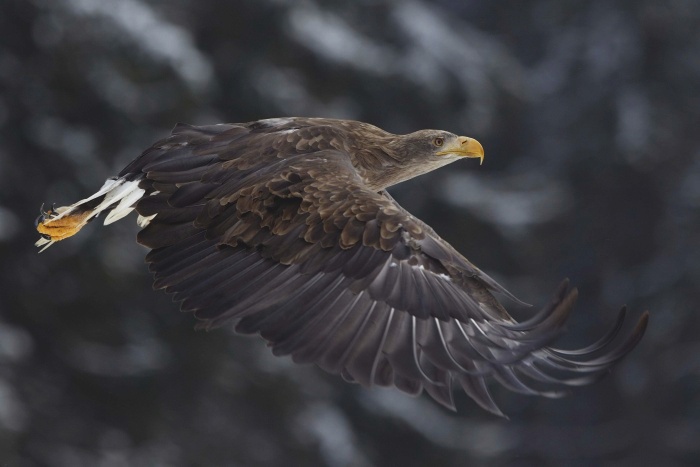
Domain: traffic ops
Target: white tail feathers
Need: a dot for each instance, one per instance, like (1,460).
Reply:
(144,221)
(129,195)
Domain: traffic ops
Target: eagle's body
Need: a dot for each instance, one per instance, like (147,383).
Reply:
(283,227)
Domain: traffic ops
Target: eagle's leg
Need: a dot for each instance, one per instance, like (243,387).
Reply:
(117,195)
(55,228)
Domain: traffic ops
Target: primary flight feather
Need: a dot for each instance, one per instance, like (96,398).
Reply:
(283,227)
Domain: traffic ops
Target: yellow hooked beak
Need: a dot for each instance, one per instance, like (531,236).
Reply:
(468,147)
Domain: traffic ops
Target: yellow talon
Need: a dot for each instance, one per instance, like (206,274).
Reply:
(62,228)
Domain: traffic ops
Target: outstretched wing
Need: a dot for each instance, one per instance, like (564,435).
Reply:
(256,227)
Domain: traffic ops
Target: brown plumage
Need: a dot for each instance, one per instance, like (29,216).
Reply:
(283,228)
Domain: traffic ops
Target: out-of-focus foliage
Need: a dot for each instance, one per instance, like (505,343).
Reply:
(589,113)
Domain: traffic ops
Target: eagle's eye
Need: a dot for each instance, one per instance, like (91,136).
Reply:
(438,141)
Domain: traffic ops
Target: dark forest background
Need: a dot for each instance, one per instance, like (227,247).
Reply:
(589,112)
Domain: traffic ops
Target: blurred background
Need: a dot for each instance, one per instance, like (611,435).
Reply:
(590,116)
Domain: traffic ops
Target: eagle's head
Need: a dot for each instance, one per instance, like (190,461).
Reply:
(440,147)
(421,152)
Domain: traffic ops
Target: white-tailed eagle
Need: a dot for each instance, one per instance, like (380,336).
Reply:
(283,228)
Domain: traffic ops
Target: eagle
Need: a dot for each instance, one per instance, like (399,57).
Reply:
(283,228)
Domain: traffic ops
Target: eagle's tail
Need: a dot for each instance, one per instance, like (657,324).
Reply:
(117,195)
